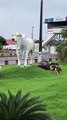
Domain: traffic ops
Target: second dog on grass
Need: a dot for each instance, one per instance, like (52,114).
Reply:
(55,68)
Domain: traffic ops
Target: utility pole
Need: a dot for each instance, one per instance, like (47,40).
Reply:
(40,31)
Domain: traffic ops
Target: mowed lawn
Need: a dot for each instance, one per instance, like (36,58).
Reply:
(50,87)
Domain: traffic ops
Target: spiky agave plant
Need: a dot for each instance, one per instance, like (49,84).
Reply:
(18,107)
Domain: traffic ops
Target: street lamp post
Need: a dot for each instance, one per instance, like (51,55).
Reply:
(40,31)
(32,32)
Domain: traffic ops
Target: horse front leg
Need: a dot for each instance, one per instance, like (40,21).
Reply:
(31,58)
(18,56)
(26,58)
(19,62)
(19,59)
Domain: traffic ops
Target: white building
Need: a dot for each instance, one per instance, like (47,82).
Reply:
(54,28)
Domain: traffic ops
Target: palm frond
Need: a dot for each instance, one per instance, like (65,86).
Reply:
(18,107)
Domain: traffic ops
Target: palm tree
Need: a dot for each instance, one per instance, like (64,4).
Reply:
(18,107)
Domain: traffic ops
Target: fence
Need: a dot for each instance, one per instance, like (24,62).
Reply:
(13,60)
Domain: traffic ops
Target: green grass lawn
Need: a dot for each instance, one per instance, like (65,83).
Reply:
(46,84)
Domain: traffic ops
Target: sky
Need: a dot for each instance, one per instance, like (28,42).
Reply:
(21,15)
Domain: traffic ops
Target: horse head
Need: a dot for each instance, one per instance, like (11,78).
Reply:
(17,36)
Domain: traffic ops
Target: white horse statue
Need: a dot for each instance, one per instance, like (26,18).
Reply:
(25,46)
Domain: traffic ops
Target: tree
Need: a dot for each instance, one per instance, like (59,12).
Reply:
(64,33)
(2,42)
(17,107)
(61,48)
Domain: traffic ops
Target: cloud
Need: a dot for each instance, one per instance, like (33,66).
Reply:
(21,15)
(55,8)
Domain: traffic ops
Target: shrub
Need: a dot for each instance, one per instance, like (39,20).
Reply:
(18,107)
